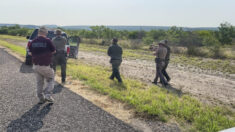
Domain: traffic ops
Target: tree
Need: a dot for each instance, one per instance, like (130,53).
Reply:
(226,33)
(98,30)
(175,34)
(156,34)
(4,30)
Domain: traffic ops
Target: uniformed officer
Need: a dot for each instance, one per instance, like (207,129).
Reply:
(160,53)
(167,59)
(115,52)
(60,56)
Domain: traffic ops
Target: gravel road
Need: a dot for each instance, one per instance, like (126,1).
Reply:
(19,111)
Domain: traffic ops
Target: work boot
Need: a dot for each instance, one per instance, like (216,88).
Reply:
(154,82)
(49,99)
(63,80)
(168,79)
(120,80)
(111,78)
(41,101)
(165,84)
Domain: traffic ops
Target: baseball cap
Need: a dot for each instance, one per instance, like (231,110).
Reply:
(43,30)
(58,32)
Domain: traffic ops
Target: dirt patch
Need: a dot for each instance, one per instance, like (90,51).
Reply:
(206,86)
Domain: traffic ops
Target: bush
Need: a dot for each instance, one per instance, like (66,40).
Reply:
(195,51)
(217,52)
(148,40)
(136,44)
(178,50)
(192,50)
(105,42)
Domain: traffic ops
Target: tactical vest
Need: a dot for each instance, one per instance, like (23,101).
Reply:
(59,43)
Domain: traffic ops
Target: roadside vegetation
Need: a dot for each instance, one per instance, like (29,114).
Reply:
(201,43)
(149,100)
(152,100)
(222,65)
(18,49)
(19,38)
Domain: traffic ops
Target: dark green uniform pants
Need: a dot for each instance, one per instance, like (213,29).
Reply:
(164,70)
(159,68)
(60,59)
(115,68)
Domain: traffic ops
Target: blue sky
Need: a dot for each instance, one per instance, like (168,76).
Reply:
(186,13)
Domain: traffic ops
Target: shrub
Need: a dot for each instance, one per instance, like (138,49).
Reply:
(136,44)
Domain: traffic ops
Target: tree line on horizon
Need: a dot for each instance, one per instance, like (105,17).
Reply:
(225,35)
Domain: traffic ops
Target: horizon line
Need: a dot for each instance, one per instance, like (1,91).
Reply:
(112,25)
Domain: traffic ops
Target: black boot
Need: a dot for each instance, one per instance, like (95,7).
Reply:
(63,80)
(111,77)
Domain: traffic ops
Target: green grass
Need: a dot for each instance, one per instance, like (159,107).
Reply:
(152,100)
(13,37)
(224,65)
(147,99)
(18,49)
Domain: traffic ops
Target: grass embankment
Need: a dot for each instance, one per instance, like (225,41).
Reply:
(18,49)
(149,100)
(19,38)
(224,65)
(152,100)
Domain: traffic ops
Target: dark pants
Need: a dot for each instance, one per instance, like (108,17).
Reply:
(164,71)
(60,59)
(115,69)
(159,67)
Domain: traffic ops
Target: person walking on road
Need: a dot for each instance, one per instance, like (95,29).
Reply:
(60,57)
(41,49)
(167,59)
(115,52)
(160,54)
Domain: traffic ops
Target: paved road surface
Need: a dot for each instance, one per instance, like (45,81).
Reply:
(19,110)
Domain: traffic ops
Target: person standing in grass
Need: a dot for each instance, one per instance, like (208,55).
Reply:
(167,59)
(115,53)
(60,57)
(41,49)
(160,54)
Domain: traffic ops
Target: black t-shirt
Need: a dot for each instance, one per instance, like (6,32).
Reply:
(41,49)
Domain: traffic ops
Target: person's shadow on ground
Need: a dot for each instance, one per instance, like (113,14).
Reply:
(31,121)
(174,90)
(26,68)
(57,88)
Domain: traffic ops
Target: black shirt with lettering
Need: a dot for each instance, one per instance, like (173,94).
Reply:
(41,49)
